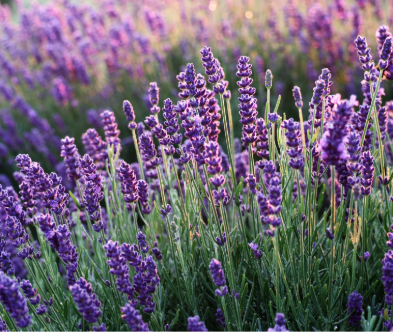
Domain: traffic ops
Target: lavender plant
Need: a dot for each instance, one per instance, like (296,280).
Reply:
(282,229)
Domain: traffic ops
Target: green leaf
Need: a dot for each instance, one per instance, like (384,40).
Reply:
(75,200)
(238,191)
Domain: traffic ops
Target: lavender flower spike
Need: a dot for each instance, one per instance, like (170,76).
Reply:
(194,325)
(355,303)
(385,53)
(280,324)
(387,276)
(297,95)
(134,319)
(154,97)
(13,301)
(87,302)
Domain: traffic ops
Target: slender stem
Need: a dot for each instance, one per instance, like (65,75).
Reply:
(140,162)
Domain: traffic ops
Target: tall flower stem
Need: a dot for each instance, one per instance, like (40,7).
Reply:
(138,154)
(371,108)
(332,222)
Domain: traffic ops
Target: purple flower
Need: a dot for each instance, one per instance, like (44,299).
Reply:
(59,239)
(187,82)
(355,304)
(3,326)
(128,181)
(29,292)
(294,142)
(157,253)
(71,158)
(248,104)
(262,139)
(101,328)
(13,301)
(217,273)
(129,113)
(143,194)
(252,184)
(213,160)
(142,242)
(145,283)
(41,310)
(93,189)
(86,300)
(367,161)
(365,58)
(212,65)
(134,319)
(329,234)
(385,53)
(95,147)
(268,79)
(280,324)
(220,318)
(154,97)
(332,145)
(110,128)
(254,247)
(118,267)
(387,276)
(297,95)
(194,325)
(366,255)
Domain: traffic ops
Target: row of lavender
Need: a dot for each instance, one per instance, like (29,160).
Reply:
(60,59)
(239,237)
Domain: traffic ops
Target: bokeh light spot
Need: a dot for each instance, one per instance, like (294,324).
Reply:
(249,14)
(213,5)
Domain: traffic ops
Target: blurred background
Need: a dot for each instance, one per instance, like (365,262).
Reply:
(62,62)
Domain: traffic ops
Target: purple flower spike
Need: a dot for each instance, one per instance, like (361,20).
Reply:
(294,142)
(118,267)
(110,128)
(367,161)
(280,324)
(71,158)
(297,95)
(254,247)
(248,104)
(129,113)
(220,318)
(13,301)
(329,234)
(134,319)
(217,273)
(355,304)
(385,53)
(86,300)
(387,276)
(332,145)
(262,139)
(41,310)
(212,66)
(143,194)
(194,325)
(319,91)
(154,97)
(129,185)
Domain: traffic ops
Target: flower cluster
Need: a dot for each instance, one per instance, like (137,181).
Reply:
(87,302)
(13,301)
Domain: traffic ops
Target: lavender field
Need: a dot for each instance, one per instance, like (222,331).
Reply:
(177,165)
